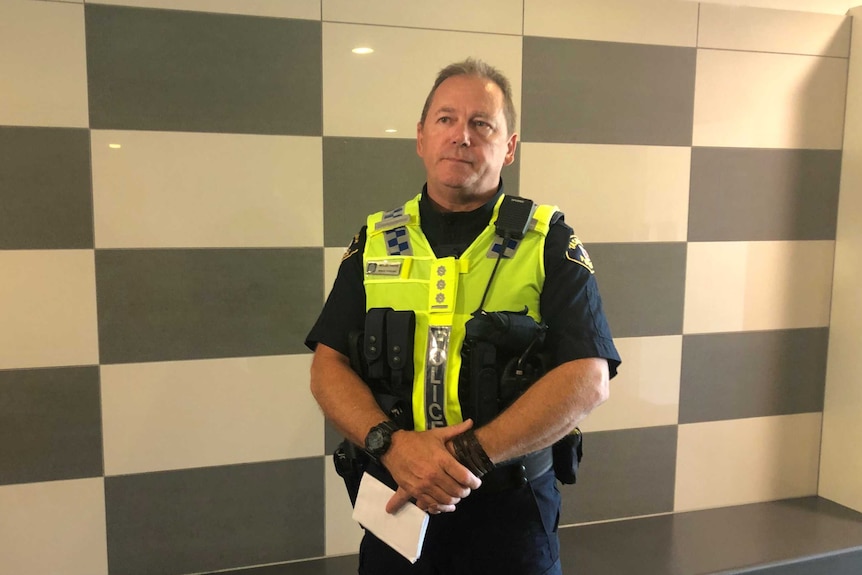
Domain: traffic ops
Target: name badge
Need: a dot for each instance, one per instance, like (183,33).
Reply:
(383,268)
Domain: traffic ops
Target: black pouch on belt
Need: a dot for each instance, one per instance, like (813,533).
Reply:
(350,463)
(567,454)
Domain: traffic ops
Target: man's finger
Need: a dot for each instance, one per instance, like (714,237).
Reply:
(397,501)
(449,432)
(464,478)
(429,505)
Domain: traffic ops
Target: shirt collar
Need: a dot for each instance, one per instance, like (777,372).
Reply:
(427,209)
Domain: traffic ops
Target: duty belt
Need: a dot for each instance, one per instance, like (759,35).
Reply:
(508,475)
(517,473)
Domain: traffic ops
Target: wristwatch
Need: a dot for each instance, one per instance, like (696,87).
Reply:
(379,439)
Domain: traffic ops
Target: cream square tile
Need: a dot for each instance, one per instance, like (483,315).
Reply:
(179,415)
(744,286)
(753,100)
(495,16)
(812,6)
(47,308)
(54,527)
(612,193)
(343,534)
(746,461)
(303,9)
(763,30)
(668,23)
(171,189)
(841,458)
(646,392)
(365,95)
(43,71)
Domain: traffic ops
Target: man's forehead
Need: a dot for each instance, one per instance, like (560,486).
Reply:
(463,79)
(448,96)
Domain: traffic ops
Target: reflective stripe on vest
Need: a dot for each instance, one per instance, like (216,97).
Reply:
(407,275)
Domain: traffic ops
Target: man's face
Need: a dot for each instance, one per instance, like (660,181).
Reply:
(464,141)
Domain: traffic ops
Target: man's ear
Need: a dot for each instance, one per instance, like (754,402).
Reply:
(511,145)
(419,142)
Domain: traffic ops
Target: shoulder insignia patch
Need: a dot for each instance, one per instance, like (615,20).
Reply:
(352,248)
(577,253)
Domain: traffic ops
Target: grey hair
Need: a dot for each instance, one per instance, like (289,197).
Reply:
(478,68)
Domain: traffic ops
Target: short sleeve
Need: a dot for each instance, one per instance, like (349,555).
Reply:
(571,304)
(344,310)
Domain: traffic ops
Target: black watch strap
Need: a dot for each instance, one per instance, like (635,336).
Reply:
(379,439)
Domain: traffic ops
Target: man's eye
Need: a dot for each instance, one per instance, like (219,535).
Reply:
(443,120)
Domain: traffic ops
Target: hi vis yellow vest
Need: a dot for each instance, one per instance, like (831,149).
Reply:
(402,272)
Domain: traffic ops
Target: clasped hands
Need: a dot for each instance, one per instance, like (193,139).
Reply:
(425,469)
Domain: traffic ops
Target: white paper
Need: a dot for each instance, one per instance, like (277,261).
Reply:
(403,530)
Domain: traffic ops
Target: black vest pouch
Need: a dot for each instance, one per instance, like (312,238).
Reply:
(382,355)
(482,403)
(400,330)
(500,360)
(510,331)
(519,373)
(374,344)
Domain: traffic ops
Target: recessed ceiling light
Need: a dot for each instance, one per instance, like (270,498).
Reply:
(115,146)
(390,130)
(362,50)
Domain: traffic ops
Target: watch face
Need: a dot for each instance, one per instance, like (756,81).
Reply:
(375,440)
(378,440)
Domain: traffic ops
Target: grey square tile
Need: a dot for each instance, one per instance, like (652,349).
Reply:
(46,197)
(642,286)
(160,305)
(582,91)
(623,474)
(50,424)
(215,518)
(362,176)
(365,175)
(740,194)
(752,374)
(201,72)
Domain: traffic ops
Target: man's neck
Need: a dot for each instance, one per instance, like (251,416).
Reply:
(457,200)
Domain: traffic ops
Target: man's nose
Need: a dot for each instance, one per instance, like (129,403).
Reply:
(460,134)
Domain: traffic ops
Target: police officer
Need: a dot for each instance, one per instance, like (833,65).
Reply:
(440,256)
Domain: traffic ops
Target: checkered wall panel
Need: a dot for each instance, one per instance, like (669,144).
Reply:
(177,186)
